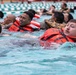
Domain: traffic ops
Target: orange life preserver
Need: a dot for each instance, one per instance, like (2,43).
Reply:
(54,35)
(16,26)
(35,25)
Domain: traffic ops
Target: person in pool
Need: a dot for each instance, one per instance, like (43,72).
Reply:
(67,17)
(56,21)
(25,23)
(8,21)
(59,36)
(64,8)
(68,34)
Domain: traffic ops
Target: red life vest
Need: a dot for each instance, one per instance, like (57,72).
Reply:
(37,16)
(31,27)
(54,35)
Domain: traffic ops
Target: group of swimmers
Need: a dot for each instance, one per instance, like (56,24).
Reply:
(60,28)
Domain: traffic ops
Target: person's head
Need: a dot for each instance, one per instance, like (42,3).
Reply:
(52,7)
(9,19)
(44,10)
(26,18)
(70,29)
(1,14)
(67,17)
(63,5)
(33,11)
(0,28)
(58,17)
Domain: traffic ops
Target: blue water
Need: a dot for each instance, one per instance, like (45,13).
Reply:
(20,58)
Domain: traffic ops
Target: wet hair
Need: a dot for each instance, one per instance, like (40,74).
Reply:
(70,16)
(75,7)
(53,6)
(73,20)
(71,10)
(65,4)
(0,28)
(44,10)
(33,11)
(30,14)
(59,17)
(1,14)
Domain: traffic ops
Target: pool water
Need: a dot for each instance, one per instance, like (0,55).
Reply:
(20,58)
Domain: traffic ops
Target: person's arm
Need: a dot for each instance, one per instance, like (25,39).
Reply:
(27,36)
(7,26)
(67,11)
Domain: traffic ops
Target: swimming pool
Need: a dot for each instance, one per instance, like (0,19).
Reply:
(19,58)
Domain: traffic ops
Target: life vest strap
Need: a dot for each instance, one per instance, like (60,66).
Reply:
(58,38)
(61,32)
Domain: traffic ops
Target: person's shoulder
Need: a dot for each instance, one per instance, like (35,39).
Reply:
(62,25)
